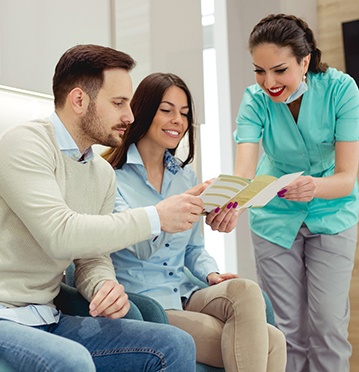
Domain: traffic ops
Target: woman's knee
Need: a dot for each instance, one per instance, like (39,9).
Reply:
(277,348)
(244,290)
(276,338)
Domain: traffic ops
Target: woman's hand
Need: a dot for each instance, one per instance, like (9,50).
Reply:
(215,278)
(224,220)
(337,185)
(302,189)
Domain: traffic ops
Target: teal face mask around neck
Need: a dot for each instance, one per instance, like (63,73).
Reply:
(302,88)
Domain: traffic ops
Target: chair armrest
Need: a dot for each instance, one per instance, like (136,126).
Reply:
(142,307)
(71,302)
(150,309)
(4,367)
(269,309)
(206,368)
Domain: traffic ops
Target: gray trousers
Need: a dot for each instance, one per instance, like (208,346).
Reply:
(309,287)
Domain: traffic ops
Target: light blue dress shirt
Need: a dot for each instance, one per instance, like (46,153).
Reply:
(66,143)
(329,113)
(156,267)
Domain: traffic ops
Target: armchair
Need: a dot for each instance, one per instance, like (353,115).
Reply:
(69,301)
(4,367)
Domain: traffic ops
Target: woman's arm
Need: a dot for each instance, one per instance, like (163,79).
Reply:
(340,184)
(246,160)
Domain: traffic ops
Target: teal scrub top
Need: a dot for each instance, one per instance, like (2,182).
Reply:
(329,112)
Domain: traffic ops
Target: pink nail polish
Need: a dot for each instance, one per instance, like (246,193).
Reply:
(229,205)
(281,193)
(217,210)
(235,205)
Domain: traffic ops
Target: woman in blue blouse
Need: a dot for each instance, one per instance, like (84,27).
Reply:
(227,319)
(307,116)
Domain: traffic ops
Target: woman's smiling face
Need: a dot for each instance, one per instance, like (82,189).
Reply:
(171,120)
(277,70)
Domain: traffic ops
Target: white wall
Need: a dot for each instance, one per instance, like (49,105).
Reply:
(161,35)
(34,34)
(165,36)
(18,106)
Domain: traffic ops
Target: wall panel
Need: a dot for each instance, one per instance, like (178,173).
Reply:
(331,13)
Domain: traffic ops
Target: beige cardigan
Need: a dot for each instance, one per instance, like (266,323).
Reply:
(54,210)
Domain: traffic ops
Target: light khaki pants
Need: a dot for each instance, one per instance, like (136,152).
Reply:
(228,324)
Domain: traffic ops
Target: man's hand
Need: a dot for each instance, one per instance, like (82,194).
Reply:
(178,212)
(215,278)
(110,301)
(198,189)
(224,220)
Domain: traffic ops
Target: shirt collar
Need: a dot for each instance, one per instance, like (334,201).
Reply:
(66,142)
(172,164)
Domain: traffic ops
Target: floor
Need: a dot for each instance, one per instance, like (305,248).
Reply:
(354,316)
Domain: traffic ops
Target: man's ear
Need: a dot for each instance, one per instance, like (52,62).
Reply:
(78,100)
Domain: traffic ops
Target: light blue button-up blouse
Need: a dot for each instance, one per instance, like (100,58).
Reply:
(156,267)
(329,113)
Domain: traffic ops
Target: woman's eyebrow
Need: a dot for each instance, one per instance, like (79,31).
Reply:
(271,68)
(173,105)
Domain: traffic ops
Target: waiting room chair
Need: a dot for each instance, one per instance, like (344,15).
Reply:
(70,301)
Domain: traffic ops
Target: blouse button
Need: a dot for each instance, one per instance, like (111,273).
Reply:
(165,264)
(175,289)
(167,245)
(170,273)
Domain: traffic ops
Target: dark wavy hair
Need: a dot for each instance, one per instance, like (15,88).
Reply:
(144,105)
(288,31)
(83,66)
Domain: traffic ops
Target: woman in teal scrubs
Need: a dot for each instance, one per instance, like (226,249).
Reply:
(307,116)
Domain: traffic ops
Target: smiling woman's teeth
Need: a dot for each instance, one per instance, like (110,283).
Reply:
(172,132)
(275,90)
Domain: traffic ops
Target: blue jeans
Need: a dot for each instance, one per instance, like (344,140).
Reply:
(87,344)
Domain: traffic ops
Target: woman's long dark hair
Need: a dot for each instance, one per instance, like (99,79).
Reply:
(287,30)
(144,105)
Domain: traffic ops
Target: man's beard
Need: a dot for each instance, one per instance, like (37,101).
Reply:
(92,127)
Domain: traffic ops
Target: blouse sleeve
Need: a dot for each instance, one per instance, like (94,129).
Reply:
(249,119)
(347,110)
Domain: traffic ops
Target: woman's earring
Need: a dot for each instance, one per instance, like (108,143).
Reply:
(304,78)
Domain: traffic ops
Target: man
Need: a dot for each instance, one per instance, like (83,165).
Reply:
(56,199)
